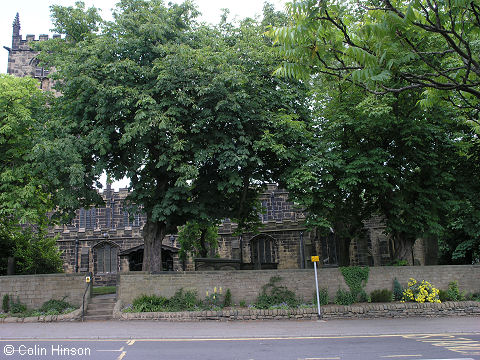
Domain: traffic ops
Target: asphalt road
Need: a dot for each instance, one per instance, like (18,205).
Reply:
(447,338)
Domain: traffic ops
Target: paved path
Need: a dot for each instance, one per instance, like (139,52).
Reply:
(207,329)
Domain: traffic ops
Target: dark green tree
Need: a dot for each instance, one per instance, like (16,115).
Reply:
(385,156)
(197,239)
(186,111)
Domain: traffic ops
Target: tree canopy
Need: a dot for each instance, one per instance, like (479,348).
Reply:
(185,110)
(25,190)
(389,46)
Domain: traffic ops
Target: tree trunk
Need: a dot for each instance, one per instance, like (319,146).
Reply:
(203,245)
(343,255)
(153,234)
(404,248)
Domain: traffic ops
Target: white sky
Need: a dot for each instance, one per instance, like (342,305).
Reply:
(35,15)
(35,19)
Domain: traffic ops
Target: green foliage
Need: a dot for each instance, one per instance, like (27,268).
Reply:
(34,252)
(344,297)
(189,112)
(197,239)
(453,293)
(323,295)
(227,301)
(16,307)
(384,295)
(23,114)
(397,290)
(391,48)
(6,303)
(442,295)
(276,295)
(356,278)
(398,262)
(54,307)
(181,301)
(242,303)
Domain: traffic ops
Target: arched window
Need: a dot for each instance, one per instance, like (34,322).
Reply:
(106,258)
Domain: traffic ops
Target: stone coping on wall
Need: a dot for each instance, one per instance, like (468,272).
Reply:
(356,311)
(71,316)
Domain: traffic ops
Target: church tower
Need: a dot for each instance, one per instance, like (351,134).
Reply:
(22,59)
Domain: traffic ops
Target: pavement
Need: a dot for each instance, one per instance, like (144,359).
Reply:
(237,329)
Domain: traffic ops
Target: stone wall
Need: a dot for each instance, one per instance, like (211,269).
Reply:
(246,284)
(34,290)
(361,311)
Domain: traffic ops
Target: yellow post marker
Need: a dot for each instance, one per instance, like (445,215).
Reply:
(316,259)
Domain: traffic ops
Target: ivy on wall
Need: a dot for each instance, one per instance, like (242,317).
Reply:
(356,278)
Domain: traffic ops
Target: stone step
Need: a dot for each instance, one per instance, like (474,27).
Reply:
(99,312)
(101,306)
(97,317)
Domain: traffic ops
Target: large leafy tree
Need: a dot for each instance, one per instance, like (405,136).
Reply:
(389,46)
(23,113)
(184,110)
(25,190)
(387,156)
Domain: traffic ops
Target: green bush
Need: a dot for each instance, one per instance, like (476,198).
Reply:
(6,303)
(242,303)
(149,303)
(227,301)
(17,307)
(181,301)
(397,290)
(344,297)
(323,295)
(453,293)
(443,295)
(53,307)
(383,295)
(35,253)
(275,295)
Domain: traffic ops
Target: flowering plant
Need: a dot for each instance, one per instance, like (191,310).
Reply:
(421,292)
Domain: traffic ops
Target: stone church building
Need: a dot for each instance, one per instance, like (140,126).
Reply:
(107,239)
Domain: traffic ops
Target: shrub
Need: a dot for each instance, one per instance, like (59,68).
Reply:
(181,301)
(6,303)
(397,290)
(242,303)
(383,295)
(149,303)
(53,307)
(420,292)
(443,295)
(17,307)
(323,295)
(344,297)
(453,293)
(273,294)
(227,301)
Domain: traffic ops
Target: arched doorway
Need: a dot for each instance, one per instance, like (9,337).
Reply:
(105,257)
(264,252)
